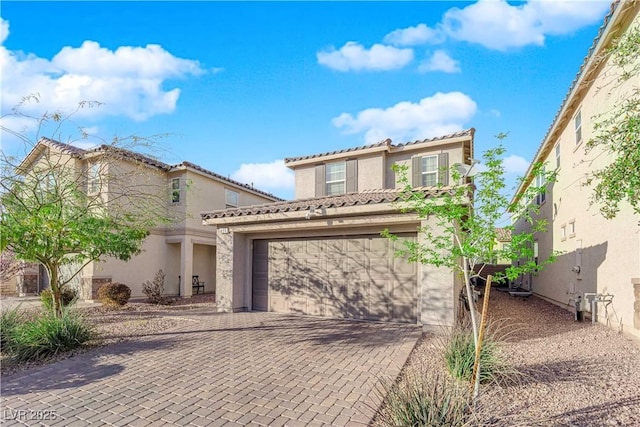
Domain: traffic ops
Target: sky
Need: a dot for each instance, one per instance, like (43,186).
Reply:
(236,87)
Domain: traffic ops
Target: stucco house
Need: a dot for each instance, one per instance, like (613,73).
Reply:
(183,248)
(600,257)
(322,254)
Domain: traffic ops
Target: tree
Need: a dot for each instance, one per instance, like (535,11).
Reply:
(65,207)
(618,132)
(464,231)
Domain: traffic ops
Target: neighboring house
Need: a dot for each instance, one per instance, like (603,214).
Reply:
(322,254)
(493,266)
(599,256)
(183,248)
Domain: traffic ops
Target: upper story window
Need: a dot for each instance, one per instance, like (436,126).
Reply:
(431,170)
(336,178)
(93,182)
(541,182)
(175,190)
(557,155)
(230,198)
(577,122)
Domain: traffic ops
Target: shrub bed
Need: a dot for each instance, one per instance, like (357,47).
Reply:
(114,294)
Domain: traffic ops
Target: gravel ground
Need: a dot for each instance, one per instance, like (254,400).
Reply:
(132,321)
(570,373)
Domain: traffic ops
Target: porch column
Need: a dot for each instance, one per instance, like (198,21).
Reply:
(186,267)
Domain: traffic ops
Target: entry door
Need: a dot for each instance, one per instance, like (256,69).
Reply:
(260,299)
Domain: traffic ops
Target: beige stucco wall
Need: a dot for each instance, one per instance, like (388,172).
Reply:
(607,251)
(375,169)
(403,158)
(436,299)
(305,179)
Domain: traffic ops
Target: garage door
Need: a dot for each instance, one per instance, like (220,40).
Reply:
(356,277)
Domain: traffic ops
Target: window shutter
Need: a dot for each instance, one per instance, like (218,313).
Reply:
(321,180)
(416,171)
(352,176)
(443,169)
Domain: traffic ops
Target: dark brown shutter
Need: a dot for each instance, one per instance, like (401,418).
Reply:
(352,176)
(416,171)
(321,181)
(443,168)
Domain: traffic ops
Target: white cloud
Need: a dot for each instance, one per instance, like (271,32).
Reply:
(515,164)
(4,30)
(411,36)
(499,25)
(440,114)
(440,61)
(129,81)
(274,175)
(354,57)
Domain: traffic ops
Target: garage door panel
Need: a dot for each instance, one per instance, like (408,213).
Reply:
(355,277)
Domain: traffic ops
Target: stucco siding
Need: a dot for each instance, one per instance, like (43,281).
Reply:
(606,251)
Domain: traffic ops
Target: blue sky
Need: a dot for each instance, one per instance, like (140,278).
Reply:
(239,86)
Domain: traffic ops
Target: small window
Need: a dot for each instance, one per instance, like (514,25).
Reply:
(541,182)
(572,229)
(557,155)
(175,190)
(563,232)
(336,178)
(94,178)
(577,121)
(230,199)
(429,171)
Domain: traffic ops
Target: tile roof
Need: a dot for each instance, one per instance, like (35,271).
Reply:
(132,155)
(229,180)
(368,197)
(67,148)
(504,234)
(386,143)
(568,96)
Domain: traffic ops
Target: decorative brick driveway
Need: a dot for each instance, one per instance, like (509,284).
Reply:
(220,369)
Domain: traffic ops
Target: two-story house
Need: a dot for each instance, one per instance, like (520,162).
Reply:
(184,248)
(322,253)
(600,257)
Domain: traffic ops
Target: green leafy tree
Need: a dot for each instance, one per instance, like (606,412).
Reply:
(618,131)
(464,224)
(65,208)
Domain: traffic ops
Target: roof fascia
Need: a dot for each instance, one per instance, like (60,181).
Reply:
(336,156)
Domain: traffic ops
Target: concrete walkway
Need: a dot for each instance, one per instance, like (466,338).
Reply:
(221,369)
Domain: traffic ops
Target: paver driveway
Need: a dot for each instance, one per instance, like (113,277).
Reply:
(220,369)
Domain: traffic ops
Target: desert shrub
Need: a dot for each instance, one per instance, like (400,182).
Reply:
(154,290)
(68,297)
(9,321)
(459,353)
(47,335)
(114,294)
(424,398)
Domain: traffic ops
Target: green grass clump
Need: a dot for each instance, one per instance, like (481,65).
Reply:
(459,355)
(47,335)
(9,321)
(424,399)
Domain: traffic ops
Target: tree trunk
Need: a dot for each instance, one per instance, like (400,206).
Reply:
(55,289)
(472,304)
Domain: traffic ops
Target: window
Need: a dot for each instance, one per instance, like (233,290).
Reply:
(230,199)
(557,155)
(563,232)
(572,228)
(535,252)
(429,170)
(541,182)
(94,178)
(577,122)
(336,178)
(175,190)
